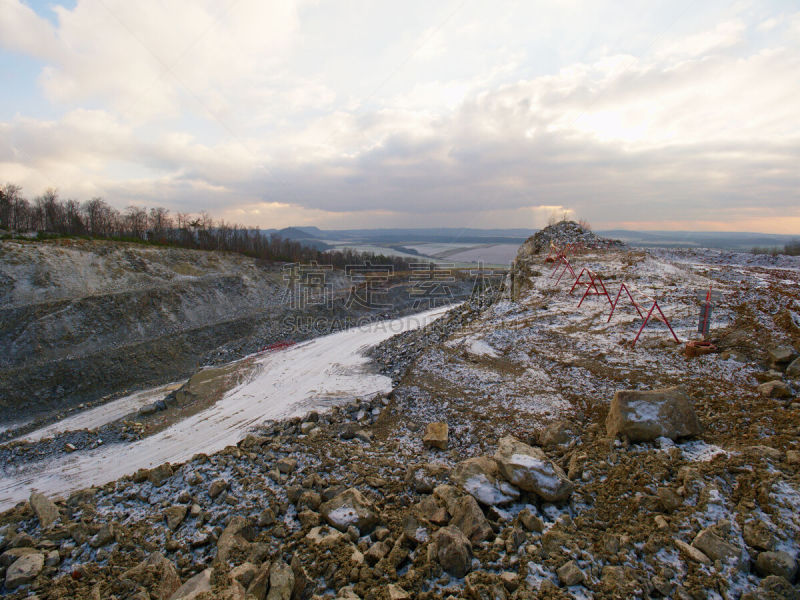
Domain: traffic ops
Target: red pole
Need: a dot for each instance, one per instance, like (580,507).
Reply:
(646,319)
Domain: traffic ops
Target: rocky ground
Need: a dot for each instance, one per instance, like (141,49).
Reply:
(508,462)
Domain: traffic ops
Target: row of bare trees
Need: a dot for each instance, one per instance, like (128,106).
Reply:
(96,218)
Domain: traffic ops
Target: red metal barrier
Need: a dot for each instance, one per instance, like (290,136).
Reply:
(594,279)
(562,260)
(647,318)
(616,300)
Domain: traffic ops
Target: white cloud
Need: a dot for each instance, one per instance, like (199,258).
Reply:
(222,109)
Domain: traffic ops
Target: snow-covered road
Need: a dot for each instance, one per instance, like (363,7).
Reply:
(312,374)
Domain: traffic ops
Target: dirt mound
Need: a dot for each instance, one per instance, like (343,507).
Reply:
(561,234)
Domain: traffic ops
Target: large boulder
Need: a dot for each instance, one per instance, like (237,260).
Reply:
(793,370)
(479,477)
(44,508)
(350,508)
(529,469)
(643,416)
(453,551)
(157,574)
(24,570)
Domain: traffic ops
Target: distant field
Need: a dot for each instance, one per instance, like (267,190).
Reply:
(496,254)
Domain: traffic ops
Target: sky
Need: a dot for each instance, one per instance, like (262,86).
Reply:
(347,114)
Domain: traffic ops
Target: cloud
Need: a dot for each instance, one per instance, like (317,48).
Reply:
(226,113)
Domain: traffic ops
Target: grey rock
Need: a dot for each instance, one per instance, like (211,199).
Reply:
(45,509)
(570,574)
(643,416)
(24,570)
(281,581)
(479,477)
(194,587)
(529,469)
(470,520)
(776,563)
(453,550)
(350,508)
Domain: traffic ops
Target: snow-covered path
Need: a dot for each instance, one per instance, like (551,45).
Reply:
(285,383)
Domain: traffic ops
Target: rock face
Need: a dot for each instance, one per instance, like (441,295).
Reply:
(643,416)
(479,477)
(529,469)
(350,508)
(24,570)
(44,509)
(436,436)
(453,550)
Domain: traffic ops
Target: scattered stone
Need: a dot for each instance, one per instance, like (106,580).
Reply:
(793,370)
(160,474)
(529,469)
(104,536)
(775,389)
(479,477)
(350,508)
(45,509)
(556,434)
(713,546)
(781,355)
(397,593)
(669,499)
(453,550)
(174,515)
(758,535)
(376,552)
(234,540)
(158,574)
(776,563)
(643,416)
(286,465)
(53,559)
(793,457)
(194,587)
(260,585)
(469,518)
(244,574)
(217,487)
(530,521)
(692,552)
(24,569)
(570,574)
(436,435)
(281,581)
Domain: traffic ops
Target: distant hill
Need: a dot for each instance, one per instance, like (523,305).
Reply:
(734,240)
